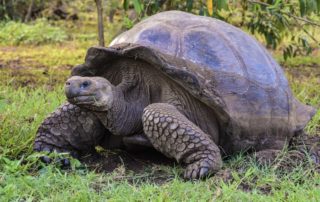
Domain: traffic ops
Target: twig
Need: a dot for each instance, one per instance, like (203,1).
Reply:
(303,19)
(312,37)
(288,14)
(259,2)
(307,32)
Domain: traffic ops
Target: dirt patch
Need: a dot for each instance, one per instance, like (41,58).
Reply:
(19,74)
(134,161)
(144,165)
(300,72)
(20,63)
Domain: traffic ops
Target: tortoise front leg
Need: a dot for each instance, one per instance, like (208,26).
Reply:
(69,129)
(174,135)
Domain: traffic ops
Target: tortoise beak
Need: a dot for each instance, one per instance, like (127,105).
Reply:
(77,87)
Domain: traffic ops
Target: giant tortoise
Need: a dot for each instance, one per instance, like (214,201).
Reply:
(192,87)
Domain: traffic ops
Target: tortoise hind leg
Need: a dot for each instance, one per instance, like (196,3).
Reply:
(304,143)
(301,147)
(267,156)
(69,129)
(174,135)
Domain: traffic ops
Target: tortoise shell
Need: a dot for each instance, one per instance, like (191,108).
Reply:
(220,65)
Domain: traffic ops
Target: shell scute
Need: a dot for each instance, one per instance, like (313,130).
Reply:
(208,49)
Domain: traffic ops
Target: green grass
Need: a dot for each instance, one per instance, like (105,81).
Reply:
(31,87)
(22,177)
(40,32)
(311,60)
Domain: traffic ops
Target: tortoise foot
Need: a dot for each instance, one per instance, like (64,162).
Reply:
(266,157)
(171,133)
(199,169)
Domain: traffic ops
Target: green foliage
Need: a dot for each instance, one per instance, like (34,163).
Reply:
(275,20)
(137,6)
(40,32)
(18,10)
(127,23)
(309,6)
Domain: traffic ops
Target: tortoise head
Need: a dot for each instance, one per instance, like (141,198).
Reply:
(95,93)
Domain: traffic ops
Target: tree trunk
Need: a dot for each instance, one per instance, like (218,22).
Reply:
(28,16)
(100,22)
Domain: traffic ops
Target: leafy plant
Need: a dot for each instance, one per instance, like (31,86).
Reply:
(275,20)
(40,32)
(278,20)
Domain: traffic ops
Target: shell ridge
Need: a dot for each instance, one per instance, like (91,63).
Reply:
(234,51)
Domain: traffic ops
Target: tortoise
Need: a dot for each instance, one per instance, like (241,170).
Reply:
(192,87)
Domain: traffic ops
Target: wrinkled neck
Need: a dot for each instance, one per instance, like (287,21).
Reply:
(123,118)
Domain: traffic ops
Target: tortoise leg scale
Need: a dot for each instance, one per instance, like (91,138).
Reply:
(174,135)
(69,129)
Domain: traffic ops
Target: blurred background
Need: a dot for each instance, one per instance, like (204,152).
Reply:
(288,25)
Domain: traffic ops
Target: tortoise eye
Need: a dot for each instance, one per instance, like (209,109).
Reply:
(85,84)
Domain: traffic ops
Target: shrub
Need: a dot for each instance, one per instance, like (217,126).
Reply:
(39,32)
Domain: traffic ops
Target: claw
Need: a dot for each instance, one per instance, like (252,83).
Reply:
(194,174)
(203,172)
(37,147)
(187,174)
(47,149)
(65,163)
(199,170)
(315,159)
(197,173)
(46,159)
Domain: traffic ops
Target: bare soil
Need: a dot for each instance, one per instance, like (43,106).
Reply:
(135,167)
(134,161)
(32,75)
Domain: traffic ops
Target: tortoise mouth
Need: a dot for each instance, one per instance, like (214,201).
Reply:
(82,99)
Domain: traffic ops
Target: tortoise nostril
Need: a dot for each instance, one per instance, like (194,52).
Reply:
(85,84)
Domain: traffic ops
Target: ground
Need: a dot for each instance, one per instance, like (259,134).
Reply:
(32,79)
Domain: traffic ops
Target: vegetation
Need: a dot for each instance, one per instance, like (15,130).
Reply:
(275,20)
(32,73)
(16,33)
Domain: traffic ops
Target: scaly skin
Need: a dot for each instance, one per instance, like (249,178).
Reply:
(301,147)
(305,143)
(104,107)
(69,129)
(174,135)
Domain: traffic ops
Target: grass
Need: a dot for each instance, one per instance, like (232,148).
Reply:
(16,33)
(31,87)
